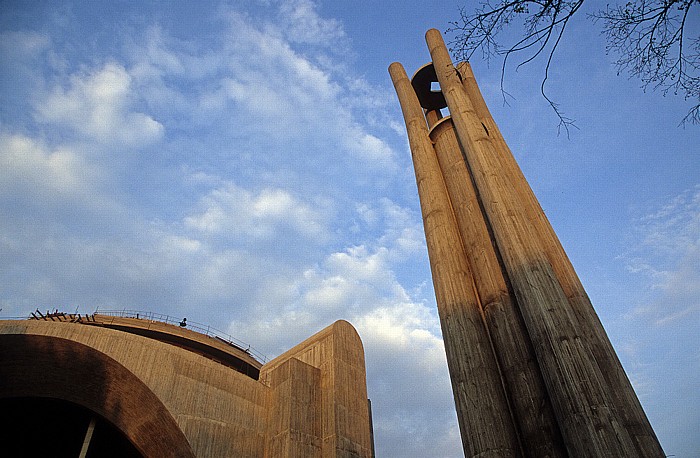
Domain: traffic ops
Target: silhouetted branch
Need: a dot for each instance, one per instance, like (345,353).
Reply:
(648,35)
(649,38)
(542,22)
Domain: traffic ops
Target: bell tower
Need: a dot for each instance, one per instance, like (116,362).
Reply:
(533,372)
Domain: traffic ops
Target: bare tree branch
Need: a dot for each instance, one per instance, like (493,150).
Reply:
(543,23)
(649,36)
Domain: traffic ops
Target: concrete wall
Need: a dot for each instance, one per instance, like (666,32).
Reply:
(311,401)
(339,379)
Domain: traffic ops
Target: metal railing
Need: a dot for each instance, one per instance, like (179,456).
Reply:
(191,325)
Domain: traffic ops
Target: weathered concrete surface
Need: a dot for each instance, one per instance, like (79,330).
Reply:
(566,392)
(300,407)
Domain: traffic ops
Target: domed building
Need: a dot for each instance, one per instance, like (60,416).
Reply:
(133,385)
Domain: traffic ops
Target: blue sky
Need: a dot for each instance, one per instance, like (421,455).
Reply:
(247,167)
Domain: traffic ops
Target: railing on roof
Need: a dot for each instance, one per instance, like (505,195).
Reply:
(192,325)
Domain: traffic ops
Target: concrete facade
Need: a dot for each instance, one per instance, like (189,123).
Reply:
(170,391)
(533,372)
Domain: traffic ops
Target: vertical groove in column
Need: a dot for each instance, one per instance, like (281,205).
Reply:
(576,386)
(524,385)
(482,410)
(622,393)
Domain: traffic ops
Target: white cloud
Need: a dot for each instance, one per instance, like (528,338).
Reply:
(279,104)
(262,215)
(668,252)
(294,103)
(155,59)
(663,362)
(402,227)
(98,105)
(277,86)
(304,25)
(29,166)
(367,147)
(222,275)
(22,43)
(405,328)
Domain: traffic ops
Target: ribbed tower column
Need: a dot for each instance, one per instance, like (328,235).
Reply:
(625,400)
(482,408)
(494,256)
(578,391)
(529,400)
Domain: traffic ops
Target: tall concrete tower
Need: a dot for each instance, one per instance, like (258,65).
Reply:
(533,372)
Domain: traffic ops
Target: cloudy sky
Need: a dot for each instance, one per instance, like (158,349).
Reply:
(247,167)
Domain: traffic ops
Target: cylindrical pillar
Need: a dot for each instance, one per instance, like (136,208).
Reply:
(622,393)
(482,409)
(576,386)
(529,400)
